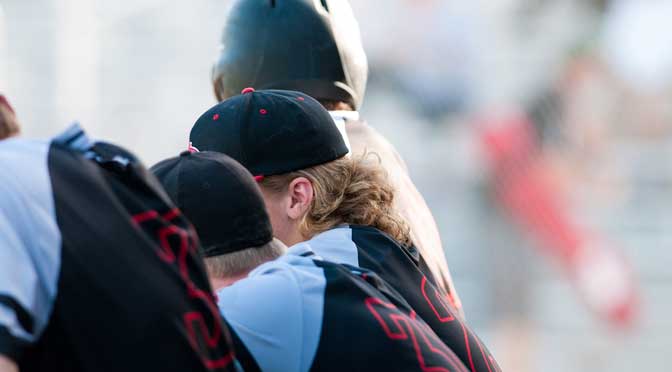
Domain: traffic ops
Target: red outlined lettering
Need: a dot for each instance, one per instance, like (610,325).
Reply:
(444,314)
(439,307)
(176,245)
(401,327)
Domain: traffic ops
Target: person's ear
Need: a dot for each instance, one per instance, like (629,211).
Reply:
(300,197)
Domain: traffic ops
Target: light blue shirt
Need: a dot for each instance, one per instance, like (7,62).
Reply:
(277,311)
(30,241)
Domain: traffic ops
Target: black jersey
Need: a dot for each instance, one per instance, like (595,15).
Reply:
(405,271)
(98,271)
(300,313)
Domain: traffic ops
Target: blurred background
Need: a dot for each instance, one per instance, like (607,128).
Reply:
(539,131)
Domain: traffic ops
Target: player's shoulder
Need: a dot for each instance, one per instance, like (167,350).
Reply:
(277,311)
(286,283)
(272,278)
(27,162)
(273,302)
(29,234)
(281,282)
(21,159)
(24,176)
(20,144)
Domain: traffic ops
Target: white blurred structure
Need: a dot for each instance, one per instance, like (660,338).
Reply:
(638,44)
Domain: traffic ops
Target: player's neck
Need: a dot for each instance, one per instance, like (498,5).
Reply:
(219,283)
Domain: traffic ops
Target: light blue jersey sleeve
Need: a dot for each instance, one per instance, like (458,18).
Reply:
(277,313)
(29,244)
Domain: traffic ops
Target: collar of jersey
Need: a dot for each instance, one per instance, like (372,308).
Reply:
(75,138)
(300,251)
(304,248)
(344,115)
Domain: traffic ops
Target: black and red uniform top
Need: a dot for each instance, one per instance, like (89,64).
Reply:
(300,313)
(98,270)
(406,272)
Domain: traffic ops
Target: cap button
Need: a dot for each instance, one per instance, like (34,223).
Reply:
(247,90)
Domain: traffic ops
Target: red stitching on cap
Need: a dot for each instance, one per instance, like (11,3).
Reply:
(192,149)
(301,99)
(263,111)
(259,178)
(247,90)
(215,117)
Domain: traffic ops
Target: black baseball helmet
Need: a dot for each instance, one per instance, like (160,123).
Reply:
(313,46)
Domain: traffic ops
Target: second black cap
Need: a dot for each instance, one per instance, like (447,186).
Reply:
(220,198)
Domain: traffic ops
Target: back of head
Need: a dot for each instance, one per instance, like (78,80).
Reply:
(350,190)
(312,46)
(280,136)
(225,205)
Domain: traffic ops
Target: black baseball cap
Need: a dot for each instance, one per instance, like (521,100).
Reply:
(220,198)
(270,132)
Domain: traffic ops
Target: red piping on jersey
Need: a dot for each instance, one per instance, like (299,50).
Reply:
(369,303)
(455,358)
(142,217)
(172,214)
(466,333)
(442,319)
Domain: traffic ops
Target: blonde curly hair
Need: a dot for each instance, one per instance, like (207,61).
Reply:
(349,190)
